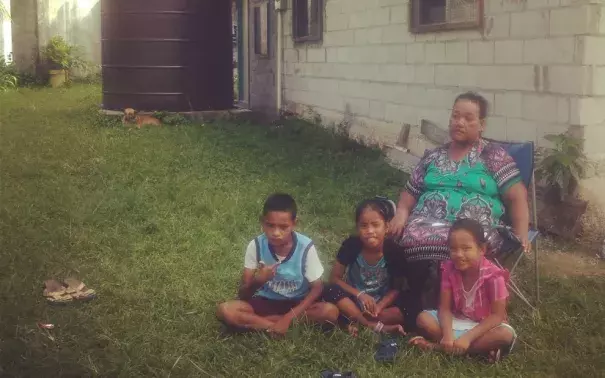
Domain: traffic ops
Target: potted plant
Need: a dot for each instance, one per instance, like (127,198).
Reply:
(61,58)
(561,168)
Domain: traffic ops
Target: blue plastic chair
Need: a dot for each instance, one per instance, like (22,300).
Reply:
(523,154)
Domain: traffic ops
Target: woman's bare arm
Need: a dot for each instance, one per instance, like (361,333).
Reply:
(516,201)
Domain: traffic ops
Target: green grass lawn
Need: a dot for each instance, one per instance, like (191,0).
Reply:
(156,221)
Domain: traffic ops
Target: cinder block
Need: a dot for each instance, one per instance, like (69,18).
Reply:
(395,53)
(496,128)
(539,4)
(594,49)
(505,6)
(395,73)
(415,53)
(316,55)
(598,81)
(575,20)
(400,113)
(456,75)
(521,130)
(587,111)
(529,24)
(370,36)
(397,33)
(337,22)
(594,135)
(498,26)
(377,109)
(513,78)
(399,14)
(546,108)
(568,80)
(480,52)
(509,52)
(549,50)
(456,52)
(339,38)
(291,55)
(372,17)
(424,74)
(508,104)
(435,52)
(357,106)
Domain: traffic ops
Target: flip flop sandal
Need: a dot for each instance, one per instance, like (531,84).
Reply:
(78,290)
(387,351)
(335,374)
(56,293)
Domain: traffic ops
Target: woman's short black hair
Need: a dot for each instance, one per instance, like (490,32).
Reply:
(472,227)
(382,206)
(476,99)
(280,202)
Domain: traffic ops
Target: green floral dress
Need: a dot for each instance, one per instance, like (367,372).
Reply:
(446,190)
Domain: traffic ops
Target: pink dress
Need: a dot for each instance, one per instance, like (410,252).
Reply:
(475,304)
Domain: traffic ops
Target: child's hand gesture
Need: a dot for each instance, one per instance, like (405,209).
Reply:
(461,345)
(447,344)
(265,273)
(368,304)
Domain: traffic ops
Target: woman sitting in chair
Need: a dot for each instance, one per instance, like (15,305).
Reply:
(468,177)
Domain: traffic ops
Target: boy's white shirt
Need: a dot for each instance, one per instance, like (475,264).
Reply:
(313,268)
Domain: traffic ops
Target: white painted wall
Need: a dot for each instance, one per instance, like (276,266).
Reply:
(78,21)
(6,45)
(540,63)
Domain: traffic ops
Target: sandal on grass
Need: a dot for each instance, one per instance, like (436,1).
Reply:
(387,351)
(78,290)
(56,293)
(66,292)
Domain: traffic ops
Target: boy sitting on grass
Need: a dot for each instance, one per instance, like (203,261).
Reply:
(282,276)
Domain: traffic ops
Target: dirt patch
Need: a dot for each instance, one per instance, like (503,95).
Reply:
(566,264)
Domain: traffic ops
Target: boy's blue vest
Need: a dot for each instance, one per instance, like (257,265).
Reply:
(289,281)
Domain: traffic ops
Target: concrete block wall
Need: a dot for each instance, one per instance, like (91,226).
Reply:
(540,63)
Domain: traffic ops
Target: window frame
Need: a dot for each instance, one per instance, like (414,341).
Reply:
(417,28)
(296,19)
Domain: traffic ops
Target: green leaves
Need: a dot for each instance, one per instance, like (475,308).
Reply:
(62,55)
(8,75)
(563,165)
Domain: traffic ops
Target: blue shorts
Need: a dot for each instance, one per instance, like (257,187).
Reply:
(462,326)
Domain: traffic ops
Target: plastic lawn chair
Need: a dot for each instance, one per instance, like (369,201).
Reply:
(523,154)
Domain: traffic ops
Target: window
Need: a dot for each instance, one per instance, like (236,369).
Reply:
(261,30)
(438,15)
(307,20)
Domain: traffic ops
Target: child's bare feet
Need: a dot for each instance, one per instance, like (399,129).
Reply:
(353,330)
(394,329)
(421,343)
(494,356)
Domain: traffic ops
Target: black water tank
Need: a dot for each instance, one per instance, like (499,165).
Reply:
(171,55)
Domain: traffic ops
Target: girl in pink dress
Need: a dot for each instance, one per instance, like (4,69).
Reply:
(472,312)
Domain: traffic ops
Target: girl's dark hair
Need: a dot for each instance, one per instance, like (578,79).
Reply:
(471,226)
(476,99)
(383,206)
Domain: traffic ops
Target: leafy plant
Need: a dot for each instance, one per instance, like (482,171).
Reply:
(563,165)
(61,55)
(8,75)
